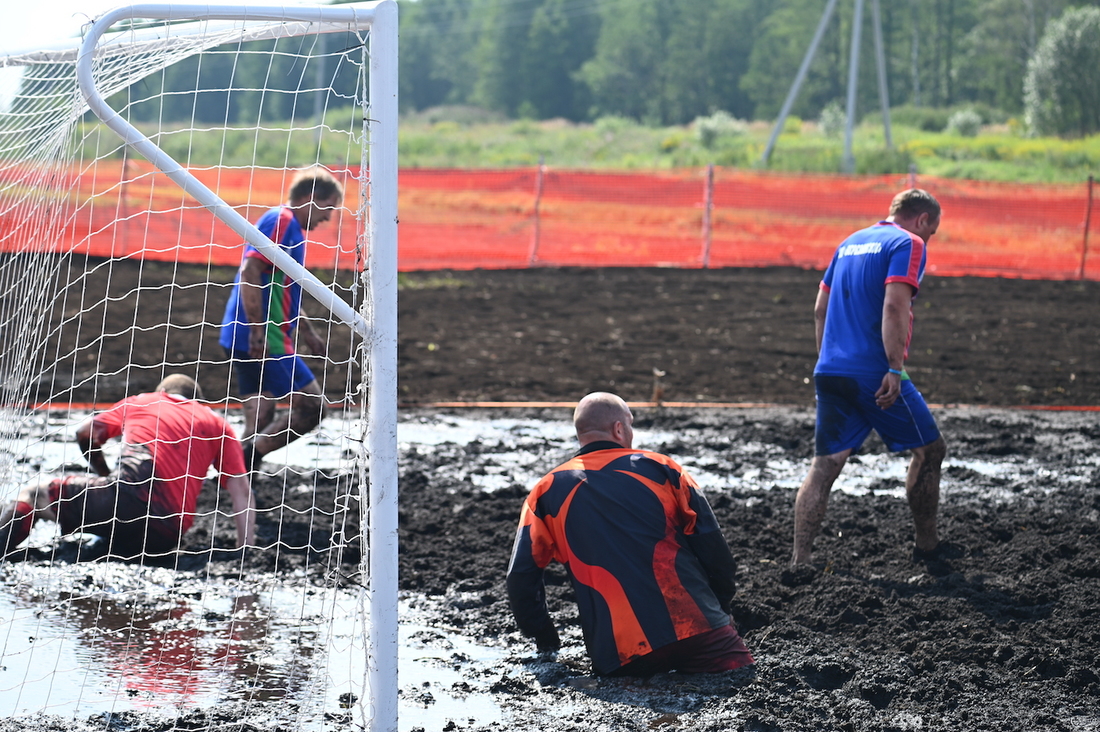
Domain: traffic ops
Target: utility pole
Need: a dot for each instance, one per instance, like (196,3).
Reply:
(853,75)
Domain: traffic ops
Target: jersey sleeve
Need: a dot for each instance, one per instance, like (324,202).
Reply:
(275,225)
(827,278)
(230,458)
(907,258)
(531,553)
(709,546)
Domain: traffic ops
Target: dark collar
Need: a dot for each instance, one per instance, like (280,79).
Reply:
(599,445)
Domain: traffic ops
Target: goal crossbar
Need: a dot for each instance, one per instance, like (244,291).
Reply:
(166,38)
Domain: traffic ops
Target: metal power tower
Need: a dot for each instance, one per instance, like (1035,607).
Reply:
(849,163)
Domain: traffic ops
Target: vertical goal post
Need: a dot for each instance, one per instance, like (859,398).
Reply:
(375,324)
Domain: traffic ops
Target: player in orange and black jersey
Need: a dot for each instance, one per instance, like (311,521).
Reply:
(652,574)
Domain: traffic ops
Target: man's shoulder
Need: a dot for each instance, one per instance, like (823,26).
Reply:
(138,399)
(280,224)
(883,232)
(621,460)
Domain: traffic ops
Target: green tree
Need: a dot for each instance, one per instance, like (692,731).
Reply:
(994,53)
(623,73)
(727,42)
(1062,88)
(562,36)
(499,55)
(673,61)
(685,89)
(436,63)
(781,43)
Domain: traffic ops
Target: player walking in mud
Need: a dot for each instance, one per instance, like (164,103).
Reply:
(147,504)
(652,574)
(264,316)
(863,319)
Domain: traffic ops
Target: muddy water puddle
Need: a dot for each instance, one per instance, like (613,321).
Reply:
(82,639)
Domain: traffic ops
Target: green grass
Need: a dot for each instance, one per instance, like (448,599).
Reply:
(999,153)
(466,140)
(413,281)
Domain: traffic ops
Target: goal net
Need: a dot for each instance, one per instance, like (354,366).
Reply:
(133,166)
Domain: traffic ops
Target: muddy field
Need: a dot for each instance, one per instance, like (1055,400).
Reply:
(1001,638)
(727,335)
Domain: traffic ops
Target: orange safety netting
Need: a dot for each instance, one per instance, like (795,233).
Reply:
(465,219)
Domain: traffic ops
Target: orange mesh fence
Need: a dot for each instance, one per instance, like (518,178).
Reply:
(465,219)
(131,210)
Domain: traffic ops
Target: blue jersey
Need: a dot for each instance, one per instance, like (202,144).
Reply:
(856,281)
(282,296)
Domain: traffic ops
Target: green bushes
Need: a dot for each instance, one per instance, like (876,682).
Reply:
(965,122)
(453,139)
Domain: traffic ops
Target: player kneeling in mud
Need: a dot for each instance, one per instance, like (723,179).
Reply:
(652,574)
(146,505)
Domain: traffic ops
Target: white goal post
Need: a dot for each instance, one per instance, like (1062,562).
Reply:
(57,197)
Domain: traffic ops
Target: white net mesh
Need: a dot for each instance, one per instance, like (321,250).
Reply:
(111,278)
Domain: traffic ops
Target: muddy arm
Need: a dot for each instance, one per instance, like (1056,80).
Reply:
(91,435)
(244,509)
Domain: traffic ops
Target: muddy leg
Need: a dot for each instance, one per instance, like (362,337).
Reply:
(922,489)
(811,502)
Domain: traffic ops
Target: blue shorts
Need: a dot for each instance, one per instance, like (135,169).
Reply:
(275,376)
(846,414)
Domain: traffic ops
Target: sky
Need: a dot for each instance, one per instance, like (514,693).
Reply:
(34,23)
(44,21)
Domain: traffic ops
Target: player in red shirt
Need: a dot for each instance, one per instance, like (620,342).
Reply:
(147,504)
(652,574)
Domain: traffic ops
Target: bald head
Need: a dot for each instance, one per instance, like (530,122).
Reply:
(603,416)
(180,385)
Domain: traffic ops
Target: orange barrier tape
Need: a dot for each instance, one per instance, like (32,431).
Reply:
(466,219)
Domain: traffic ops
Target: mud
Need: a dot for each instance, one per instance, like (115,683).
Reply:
(1001,637)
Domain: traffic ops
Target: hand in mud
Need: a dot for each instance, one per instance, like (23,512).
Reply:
(546,640)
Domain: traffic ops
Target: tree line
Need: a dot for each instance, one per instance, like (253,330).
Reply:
(671,61)
(663,62)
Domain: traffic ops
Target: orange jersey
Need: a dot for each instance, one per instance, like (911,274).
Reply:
(622,522)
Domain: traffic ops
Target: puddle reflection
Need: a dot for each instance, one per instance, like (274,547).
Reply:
(154,645)
(125,638)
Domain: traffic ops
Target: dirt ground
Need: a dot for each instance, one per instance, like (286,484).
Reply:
(726,335)
(1003,637)
(731,335)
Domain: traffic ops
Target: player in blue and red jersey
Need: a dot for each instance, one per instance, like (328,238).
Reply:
(264,317)
(864,318)
(652,574)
